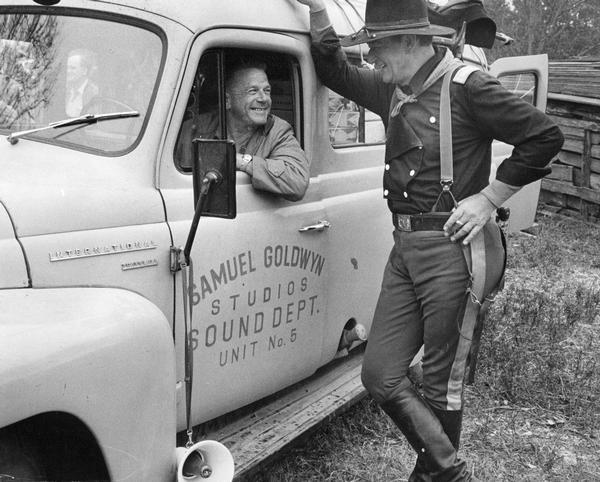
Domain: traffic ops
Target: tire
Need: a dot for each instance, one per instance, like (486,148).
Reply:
(19,459)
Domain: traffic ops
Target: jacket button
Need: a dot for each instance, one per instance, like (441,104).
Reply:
(405,194)
(411,172)
(387,167)
(432,119)
(385,192)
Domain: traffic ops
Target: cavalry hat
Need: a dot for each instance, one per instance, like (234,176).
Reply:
(386,18)
(481,29)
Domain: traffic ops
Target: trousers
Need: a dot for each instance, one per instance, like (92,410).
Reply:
(423,298)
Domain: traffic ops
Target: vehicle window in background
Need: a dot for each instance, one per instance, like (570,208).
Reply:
(351,124)
(522,85)
(57,67)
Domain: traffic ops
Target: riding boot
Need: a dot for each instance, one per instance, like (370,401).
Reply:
(426,435)
(419,473)
(452,423)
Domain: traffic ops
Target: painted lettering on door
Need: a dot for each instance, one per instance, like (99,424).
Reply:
(256,302)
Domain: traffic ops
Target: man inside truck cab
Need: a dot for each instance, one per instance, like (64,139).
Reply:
(81,89)
(266,148)
(448,255)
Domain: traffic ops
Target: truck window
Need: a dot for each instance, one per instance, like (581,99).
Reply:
(351,124)
(523,85)
(205,115)
(54,67)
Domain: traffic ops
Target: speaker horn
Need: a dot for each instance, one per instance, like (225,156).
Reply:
(205,461)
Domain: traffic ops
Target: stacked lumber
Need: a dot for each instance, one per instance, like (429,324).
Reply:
(573,187)
(575,77)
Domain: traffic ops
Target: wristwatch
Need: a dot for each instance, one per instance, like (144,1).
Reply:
(246,159)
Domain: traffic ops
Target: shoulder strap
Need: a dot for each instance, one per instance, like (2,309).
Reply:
(446,159)
(463,73)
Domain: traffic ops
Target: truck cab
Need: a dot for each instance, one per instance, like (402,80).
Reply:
(95,199)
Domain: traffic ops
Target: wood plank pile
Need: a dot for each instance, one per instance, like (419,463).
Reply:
(575,77)
(573,187)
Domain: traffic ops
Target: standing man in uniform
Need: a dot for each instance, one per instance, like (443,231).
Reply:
(448,254)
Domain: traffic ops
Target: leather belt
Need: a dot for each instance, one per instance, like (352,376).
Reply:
(420,222)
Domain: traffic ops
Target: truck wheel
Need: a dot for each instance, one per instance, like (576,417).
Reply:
(19,459)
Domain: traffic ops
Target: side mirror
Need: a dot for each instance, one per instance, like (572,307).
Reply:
(213,172)
(216,157)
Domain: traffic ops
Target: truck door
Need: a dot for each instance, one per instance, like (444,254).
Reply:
(351,144)
(526,76)
(260,291)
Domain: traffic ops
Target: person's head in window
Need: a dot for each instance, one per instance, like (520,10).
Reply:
(248,95)
(80,88)
(79,67)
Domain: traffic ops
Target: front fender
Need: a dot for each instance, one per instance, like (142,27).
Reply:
(105,356)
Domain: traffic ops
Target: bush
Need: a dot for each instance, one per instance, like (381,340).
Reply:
(542,335)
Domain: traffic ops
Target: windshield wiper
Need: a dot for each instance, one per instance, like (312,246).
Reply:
(13,138)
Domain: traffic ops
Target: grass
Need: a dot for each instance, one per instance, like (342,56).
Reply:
(533,413)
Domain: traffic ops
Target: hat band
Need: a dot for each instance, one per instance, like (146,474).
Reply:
(421,22)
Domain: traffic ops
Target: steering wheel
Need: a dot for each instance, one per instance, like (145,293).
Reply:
(108,105)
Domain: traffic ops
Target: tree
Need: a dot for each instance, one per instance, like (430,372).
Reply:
(561,28)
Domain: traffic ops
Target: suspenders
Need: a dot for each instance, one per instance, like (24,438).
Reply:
(475,256)
(446,159)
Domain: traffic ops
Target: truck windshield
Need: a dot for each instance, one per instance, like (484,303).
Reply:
(57,67)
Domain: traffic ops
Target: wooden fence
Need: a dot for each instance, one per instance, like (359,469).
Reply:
(573,187)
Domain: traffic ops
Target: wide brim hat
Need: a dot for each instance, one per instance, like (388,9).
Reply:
(387,18)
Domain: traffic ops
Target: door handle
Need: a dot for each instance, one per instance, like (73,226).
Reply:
(320,226)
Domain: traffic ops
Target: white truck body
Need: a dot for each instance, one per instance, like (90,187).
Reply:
(91,313)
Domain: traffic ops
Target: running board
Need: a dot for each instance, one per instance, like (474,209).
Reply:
(255,438)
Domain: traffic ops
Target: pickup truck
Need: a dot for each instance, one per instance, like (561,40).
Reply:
(107,321)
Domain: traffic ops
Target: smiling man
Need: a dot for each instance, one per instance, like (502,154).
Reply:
(448,255)
(266,148)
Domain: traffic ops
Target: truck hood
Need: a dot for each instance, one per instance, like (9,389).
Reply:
(48,192)
(48,189)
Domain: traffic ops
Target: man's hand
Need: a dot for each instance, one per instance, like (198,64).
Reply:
(468,218)
(314,5)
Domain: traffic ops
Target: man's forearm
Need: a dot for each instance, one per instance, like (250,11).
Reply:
(286,175)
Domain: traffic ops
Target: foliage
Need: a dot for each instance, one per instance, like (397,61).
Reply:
(561,28)
(543,348)
(543,332)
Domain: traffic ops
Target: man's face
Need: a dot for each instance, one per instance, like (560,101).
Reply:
(76,71)
(249,98)
(389,55)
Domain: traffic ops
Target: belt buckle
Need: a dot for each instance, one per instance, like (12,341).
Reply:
(403,222)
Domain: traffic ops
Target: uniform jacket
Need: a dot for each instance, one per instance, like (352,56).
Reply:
(482,110)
